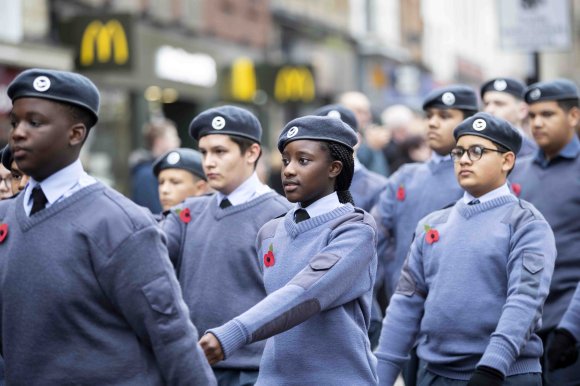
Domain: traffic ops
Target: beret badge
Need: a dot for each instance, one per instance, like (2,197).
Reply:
(218,123)
(292,132)
(448,98)
(41,83)
(479,124)
(535,94)
(500,85)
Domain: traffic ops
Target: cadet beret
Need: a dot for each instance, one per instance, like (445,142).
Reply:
(508,85)
(493,128)
(458,97)
(317,128)
(182,158)
(339,112)
(554,90)
(60,86)
(229,120)
(6,157)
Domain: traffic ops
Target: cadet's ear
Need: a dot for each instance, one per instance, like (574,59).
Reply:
(78,133)
(509,160)
(335,169)
(573,116)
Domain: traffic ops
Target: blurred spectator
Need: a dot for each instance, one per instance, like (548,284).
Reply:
(407,143)
(5,183)
(375,138)
(160,136)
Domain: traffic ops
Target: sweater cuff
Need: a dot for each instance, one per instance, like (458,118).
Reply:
(387,372)
(498,357)
(231,335)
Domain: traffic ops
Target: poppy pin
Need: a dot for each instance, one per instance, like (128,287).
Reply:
(432,235)
(184,215)
(269,259)
(401,193)
(517,189)
(3,232)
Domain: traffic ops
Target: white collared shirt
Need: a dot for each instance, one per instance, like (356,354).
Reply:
(59,185)
(248,190)
(501,191)
(438,158)
(322,205)
(357,164)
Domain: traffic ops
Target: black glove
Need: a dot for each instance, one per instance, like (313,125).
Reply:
(562,351)
(486,376)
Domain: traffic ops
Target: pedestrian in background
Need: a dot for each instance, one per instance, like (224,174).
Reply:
(474,283)
(318,262)
(551,181)
(212,239)
(87,292)
(19,179)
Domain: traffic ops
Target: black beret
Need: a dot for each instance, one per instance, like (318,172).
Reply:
(458,97)
(339,112)
(6,157)
(60,86)
(182,158)
(554,90)
(229,120)
(493,128)
(508,85)
(317,128)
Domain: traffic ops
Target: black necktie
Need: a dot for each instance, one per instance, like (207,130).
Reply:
(225,203)
(301,215)
(38,200)
(473,202)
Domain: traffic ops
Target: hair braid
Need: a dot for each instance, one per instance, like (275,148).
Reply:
(343,154)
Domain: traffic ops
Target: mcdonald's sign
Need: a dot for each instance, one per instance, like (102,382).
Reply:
(294,84)
(101,42)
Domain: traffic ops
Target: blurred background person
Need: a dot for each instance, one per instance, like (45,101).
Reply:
(370,152)
(5,181)
(180,175)
(160,136)
(19,179)
(503,97)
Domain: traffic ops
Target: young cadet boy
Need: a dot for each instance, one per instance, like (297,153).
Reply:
(366,187)
(88,295)
(212,239)
(504,98)
(551,182)
(180,175)
(472,288)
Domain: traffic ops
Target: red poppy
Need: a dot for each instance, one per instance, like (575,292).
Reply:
(432,235)
(185,215)
(269,258)
(517,189)
(401,193)
(3,232)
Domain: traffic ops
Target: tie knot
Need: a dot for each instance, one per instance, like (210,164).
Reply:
(473,202)
(39,200)
(301,215)
(225,203)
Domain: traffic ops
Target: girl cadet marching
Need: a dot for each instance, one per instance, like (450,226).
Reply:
(319,264)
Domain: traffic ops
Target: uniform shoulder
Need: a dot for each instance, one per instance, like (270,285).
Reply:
(522,213)
(437,217)
(357,216)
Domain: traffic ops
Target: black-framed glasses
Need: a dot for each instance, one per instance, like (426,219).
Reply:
(474,153)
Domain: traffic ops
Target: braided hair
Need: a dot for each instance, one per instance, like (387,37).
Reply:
(339,152)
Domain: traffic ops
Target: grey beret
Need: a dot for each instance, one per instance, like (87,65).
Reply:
(340,112)
(493,128)
(318,129)
(59,86)
(229,120)
(555,90)
(182,158)
(508,85)
(458,97)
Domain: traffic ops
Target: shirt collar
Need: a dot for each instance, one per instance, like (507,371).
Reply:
(322,205)
(246,191)
(438,158)
(503,190)
(570,151)
(357,164)
(57,184)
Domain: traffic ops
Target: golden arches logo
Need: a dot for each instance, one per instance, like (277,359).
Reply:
(108,40)
(294,84)
(243,83)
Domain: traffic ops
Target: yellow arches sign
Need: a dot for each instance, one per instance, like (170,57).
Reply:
(294,84)
(108,40)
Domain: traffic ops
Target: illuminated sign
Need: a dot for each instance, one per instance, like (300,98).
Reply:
(178,65)
(243,80)
(294,84)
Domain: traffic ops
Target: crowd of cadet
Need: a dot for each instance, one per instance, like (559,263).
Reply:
(461,269)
